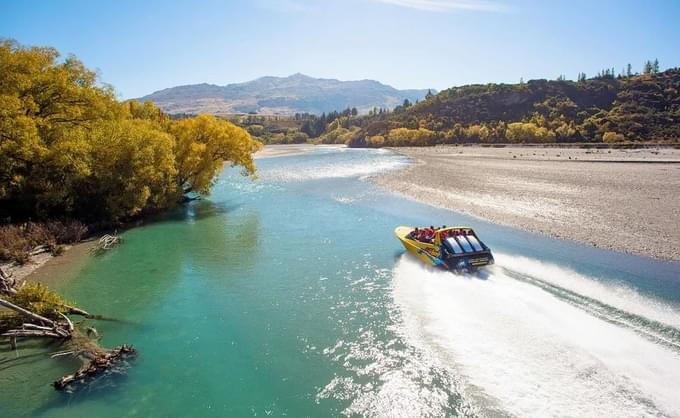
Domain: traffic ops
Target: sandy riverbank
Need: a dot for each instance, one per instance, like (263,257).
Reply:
(269,151)
(46,268)
(625,200)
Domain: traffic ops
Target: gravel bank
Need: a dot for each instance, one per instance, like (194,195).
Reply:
(624,200)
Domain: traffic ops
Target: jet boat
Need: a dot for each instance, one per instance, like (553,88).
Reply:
(454,248)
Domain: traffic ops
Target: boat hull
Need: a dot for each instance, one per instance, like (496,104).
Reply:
(427,253)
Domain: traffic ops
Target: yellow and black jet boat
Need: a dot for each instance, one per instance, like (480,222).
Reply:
(454,248)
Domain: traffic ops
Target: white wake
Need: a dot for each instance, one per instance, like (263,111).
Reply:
(531,353)
(363,164)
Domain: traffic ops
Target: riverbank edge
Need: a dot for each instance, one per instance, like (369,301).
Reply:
(38,265)
(416,164)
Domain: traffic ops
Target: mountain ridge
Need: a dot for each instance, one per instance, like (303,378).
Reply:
(297,93)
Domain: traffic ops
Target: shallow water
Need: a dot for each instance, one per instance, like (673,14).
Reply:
(290,296)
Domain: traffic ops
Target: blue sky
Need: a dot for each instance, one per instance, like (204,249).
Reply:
(143,46)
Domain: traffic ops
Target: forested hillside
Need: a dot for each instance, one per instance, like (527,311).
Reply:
(603,109)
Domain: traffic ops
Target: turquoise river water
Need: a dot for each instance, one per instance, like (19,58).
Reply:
(290,296)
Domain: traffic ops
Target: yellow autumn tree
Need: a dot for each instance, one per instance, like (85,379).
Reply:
(69,148)
(203,145)
(610,137)
(410,137)
(521,132)
(46,107)
(132,169)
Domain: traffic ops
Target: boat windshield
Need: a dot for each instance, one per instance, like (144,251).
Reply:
(464,243)
(453,245)
(475,243)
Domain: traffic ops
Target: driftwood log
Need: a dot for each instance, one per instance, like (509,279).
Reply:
(110,361)
(47,328)
(106,242)
(7,284)
(26,313)
(77,311)
(99,361)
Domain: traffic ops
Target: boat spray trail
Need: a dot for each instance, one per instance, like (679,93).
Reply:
(536,352)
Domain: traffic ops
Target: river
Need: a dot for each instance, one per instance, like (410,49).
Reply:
(290,296)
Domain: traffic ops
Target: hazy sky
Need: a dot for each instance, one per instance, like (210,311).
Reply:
(143,46)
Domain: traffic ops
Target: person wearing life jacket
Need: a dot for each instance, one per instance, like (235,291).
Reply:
(429,236)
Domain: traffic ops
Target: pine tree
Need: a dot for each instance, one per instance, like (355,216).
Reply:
(655,66)
(647,69)
(629,70)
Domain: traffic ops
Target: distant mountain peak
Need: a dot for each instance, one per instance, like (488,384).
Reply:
(296,93)
(299,75)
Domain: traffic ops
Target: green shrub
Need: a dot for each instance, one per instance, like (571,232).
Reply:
(39,299)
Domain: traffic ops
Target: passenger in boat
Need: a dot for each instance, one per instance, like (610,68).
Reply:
(429,235)
(415,234)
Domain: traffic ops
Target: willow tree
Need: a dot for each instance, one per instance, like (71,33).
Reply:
(203,145)
(69,148)
(46,107)
(132,170)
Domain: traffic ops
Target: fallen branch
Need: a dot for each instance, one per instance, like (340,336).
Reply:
(37,327)
(113,360)
(62,353)
(77,311)
(27,313)
(54,330)
(60,326)
(39,250)
(106,243)
(14,333)
(68,321)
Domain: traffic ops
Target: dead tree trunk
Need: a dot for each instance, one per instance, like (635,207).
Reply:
(77,311)
(100,364)
(100,360)
(48,327)
(27,313)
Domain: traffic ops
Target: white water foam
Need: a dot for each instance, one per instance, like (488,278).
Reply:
(617,295)
(362,168)
(529,352)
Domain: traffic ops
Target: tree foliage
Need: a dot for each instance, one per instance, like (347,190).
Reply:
(69,149)
(203,144)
